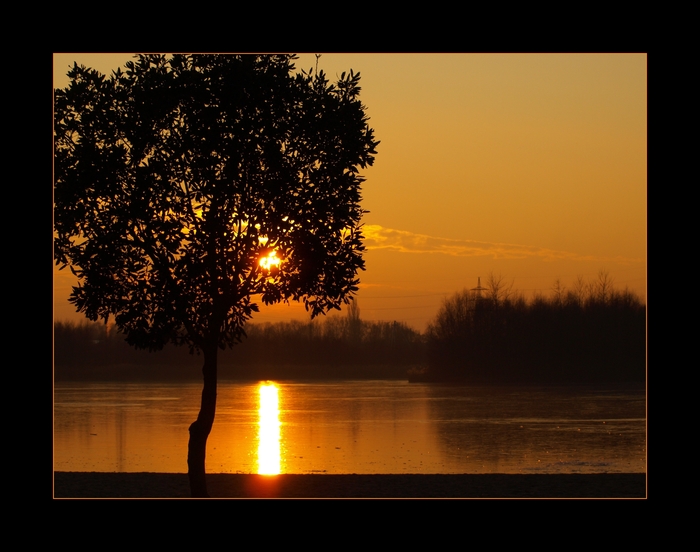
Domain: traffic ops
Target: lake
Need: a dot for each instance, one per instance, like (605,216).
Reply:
(362,427)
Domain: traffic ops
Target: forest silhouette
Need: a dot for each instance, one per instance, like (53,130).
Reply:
(354,348)
(588,333)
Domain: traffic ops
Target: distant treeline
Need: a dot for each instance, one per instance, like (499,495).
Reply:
(332,347)
(590,333)
(337,346)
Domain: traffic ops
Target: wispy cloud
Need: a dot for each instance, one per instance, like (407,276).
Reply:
(378,237)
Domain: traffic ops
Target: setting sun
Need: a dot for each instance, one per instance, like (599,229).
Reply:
(271,260)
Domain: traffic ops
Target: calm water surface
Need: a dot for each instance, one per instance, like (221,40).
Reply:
(353,427)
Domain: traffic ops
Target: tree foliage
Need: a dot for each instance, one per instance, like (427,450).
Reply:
(175,177)
(188,185)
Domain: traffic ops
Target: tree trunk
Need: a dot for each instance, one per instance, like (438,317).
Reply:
(201,427)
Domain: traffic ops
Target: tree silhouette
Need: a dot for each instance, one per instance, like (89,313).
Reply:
(189,184)
(590,334)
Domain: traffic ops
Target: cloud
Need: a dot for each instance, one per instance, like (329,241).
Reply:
(378,237)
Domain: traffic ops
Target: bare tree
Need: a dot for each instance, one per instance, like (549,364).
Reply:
(578,291)
(498,289)
(603,286)
(559,292)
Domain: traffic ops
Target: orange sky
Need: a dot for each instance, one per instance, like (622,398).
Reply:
(532,166)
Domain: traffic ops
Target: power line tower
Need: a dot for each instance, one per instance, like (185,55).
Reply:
(478,288)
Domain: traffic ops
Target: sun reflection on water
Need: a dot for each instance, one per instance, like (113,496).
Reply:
(269,430)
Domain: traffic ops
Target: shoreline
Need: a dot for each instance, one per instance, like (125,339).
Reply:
(69,485)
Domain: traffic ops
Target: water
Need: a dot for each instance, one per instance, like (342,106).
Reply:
(354,427)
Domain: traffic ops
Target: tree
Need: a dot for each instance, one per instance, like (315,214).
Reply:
(498,289)
(188,185)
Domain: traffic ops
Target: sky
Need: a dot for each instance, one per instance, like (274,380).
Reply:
(530,167)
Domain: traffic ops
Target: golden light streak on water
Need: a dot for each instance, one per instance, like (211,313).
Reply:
(269,430)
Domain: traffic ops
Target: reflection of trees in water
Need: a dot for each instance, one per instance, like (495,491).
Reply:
(512,429)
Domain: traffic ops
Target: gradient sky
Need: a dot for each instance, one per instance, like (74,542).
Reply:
(529,166)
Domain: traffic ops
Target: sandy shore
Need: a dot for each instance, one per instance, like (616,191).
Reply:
(174,485)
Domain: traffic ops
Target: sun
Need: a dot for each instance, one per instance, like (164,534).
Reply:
(270,261)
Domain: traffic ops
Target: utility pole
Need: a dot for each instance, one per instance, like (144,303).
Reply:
(478,288)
